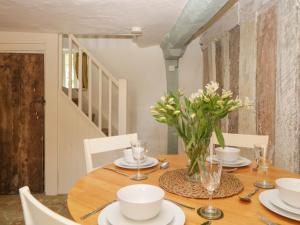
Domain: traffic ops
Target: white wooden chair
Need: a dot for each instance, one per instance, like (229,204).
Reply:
(106,144)
(35,213)
(240,140)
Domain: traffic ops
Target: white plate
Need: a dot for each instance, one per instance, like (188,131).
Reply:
(133,162)
(241,162)
(282,205)
(146,161)
(147,164)
(265,199)
(179,217)
(114,216)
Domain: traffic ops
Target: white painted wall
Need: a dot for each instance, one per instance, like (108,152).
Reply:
(144,70)
(190,68)
(73,128)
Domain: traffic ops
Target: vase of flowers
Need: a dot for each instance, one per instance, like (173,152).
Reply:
(195,118)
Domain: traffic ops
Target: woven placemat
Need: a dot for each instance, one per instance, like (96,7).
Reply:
(176,182)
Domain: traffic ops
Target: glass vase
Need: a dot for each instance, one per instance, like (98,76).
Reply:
(194,155)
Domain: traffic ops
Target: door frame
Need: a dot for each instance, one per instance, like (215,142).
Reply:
(47,44)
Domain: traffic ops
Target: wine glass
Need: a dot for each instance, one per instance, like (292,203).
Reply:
(210,176)
(138,152)
(260,152)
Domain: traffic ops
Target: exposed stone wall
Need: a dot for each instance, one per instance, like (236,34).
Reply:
(257,54)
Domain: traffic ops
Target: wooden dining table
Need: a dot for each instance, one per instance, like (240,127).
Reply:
(100,187)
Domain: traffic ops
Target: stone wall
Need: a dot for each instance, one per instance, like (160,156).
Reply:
(254,50)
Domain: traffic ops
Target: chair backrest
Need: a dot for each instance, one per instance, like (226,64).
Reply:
(240,140)
(35,213)
(105,144)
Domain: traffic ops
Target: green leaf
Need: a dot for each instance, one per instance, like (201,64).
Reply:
(220,137)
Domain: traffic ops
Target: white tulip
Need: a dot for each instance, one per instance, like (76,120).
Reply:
(193,97)
(211,88)
(226,94)
(163,110)
(171,101)
(170,107)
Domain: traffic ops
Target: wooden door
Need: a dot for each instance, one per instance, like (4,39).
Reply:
(21,122)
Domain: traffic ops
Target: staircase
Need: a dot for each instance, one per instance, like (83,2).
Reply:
(91,88)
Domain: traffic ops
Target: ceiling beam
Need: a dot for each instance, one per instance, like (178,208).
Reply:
(215,18)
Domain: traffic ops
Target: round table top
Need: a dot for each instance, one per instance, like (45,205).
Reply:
(100,187)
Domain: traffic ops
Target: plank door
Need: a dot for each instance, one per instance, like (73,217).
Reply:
(21,122)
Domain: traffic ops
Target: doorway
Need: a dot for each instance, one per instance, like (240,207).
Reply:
(21,122)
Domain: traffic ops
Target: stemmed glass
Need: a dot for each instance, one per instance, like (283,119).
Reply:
(260,151)
(210,176)
(138,152)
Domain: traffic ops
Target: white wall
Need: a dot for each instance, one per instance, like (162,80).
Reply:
(73,128)
(190,68)
(145,73)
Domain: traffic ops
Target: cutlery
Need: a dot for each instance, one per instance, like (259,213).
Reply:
(117,171)
(206,223)
(247,197)
(180,204)
(163,165)
(230,170)
(266,220)
(95,210)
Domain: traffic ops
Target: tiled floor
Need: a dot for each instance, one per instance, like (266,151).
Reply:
(11,210)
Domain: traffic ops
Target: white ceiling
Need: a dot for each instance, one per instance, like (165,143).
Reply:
(156,17)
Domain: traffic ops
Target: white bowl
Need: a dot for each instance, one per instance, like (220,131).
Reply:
(140,201)
(227,154)
(289,191)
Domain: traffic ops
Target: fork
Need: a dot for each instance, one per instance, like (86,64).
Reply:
(95,210)
(180,204)
(117,171)
(266,220)
(230,170)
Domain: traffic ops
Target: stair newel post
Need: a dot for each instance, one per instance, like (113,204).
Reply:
(70,68)
(90,88)
(100,99)
(109,106)
(80,79)
(122,113)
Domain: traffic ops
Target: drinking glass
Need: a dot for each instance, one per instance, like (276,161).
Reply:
(210,176)
(138,152)
(260,152)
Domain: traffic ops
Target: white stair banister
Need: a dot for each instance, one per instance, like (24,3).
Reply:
(100,100)
(80,79)
(109,107)
(61,61)
(122,99)
(90,88)
(70,69)
(94,68)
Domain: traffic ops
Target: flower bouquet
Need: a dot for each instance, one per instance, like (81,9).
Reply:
(195,118)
